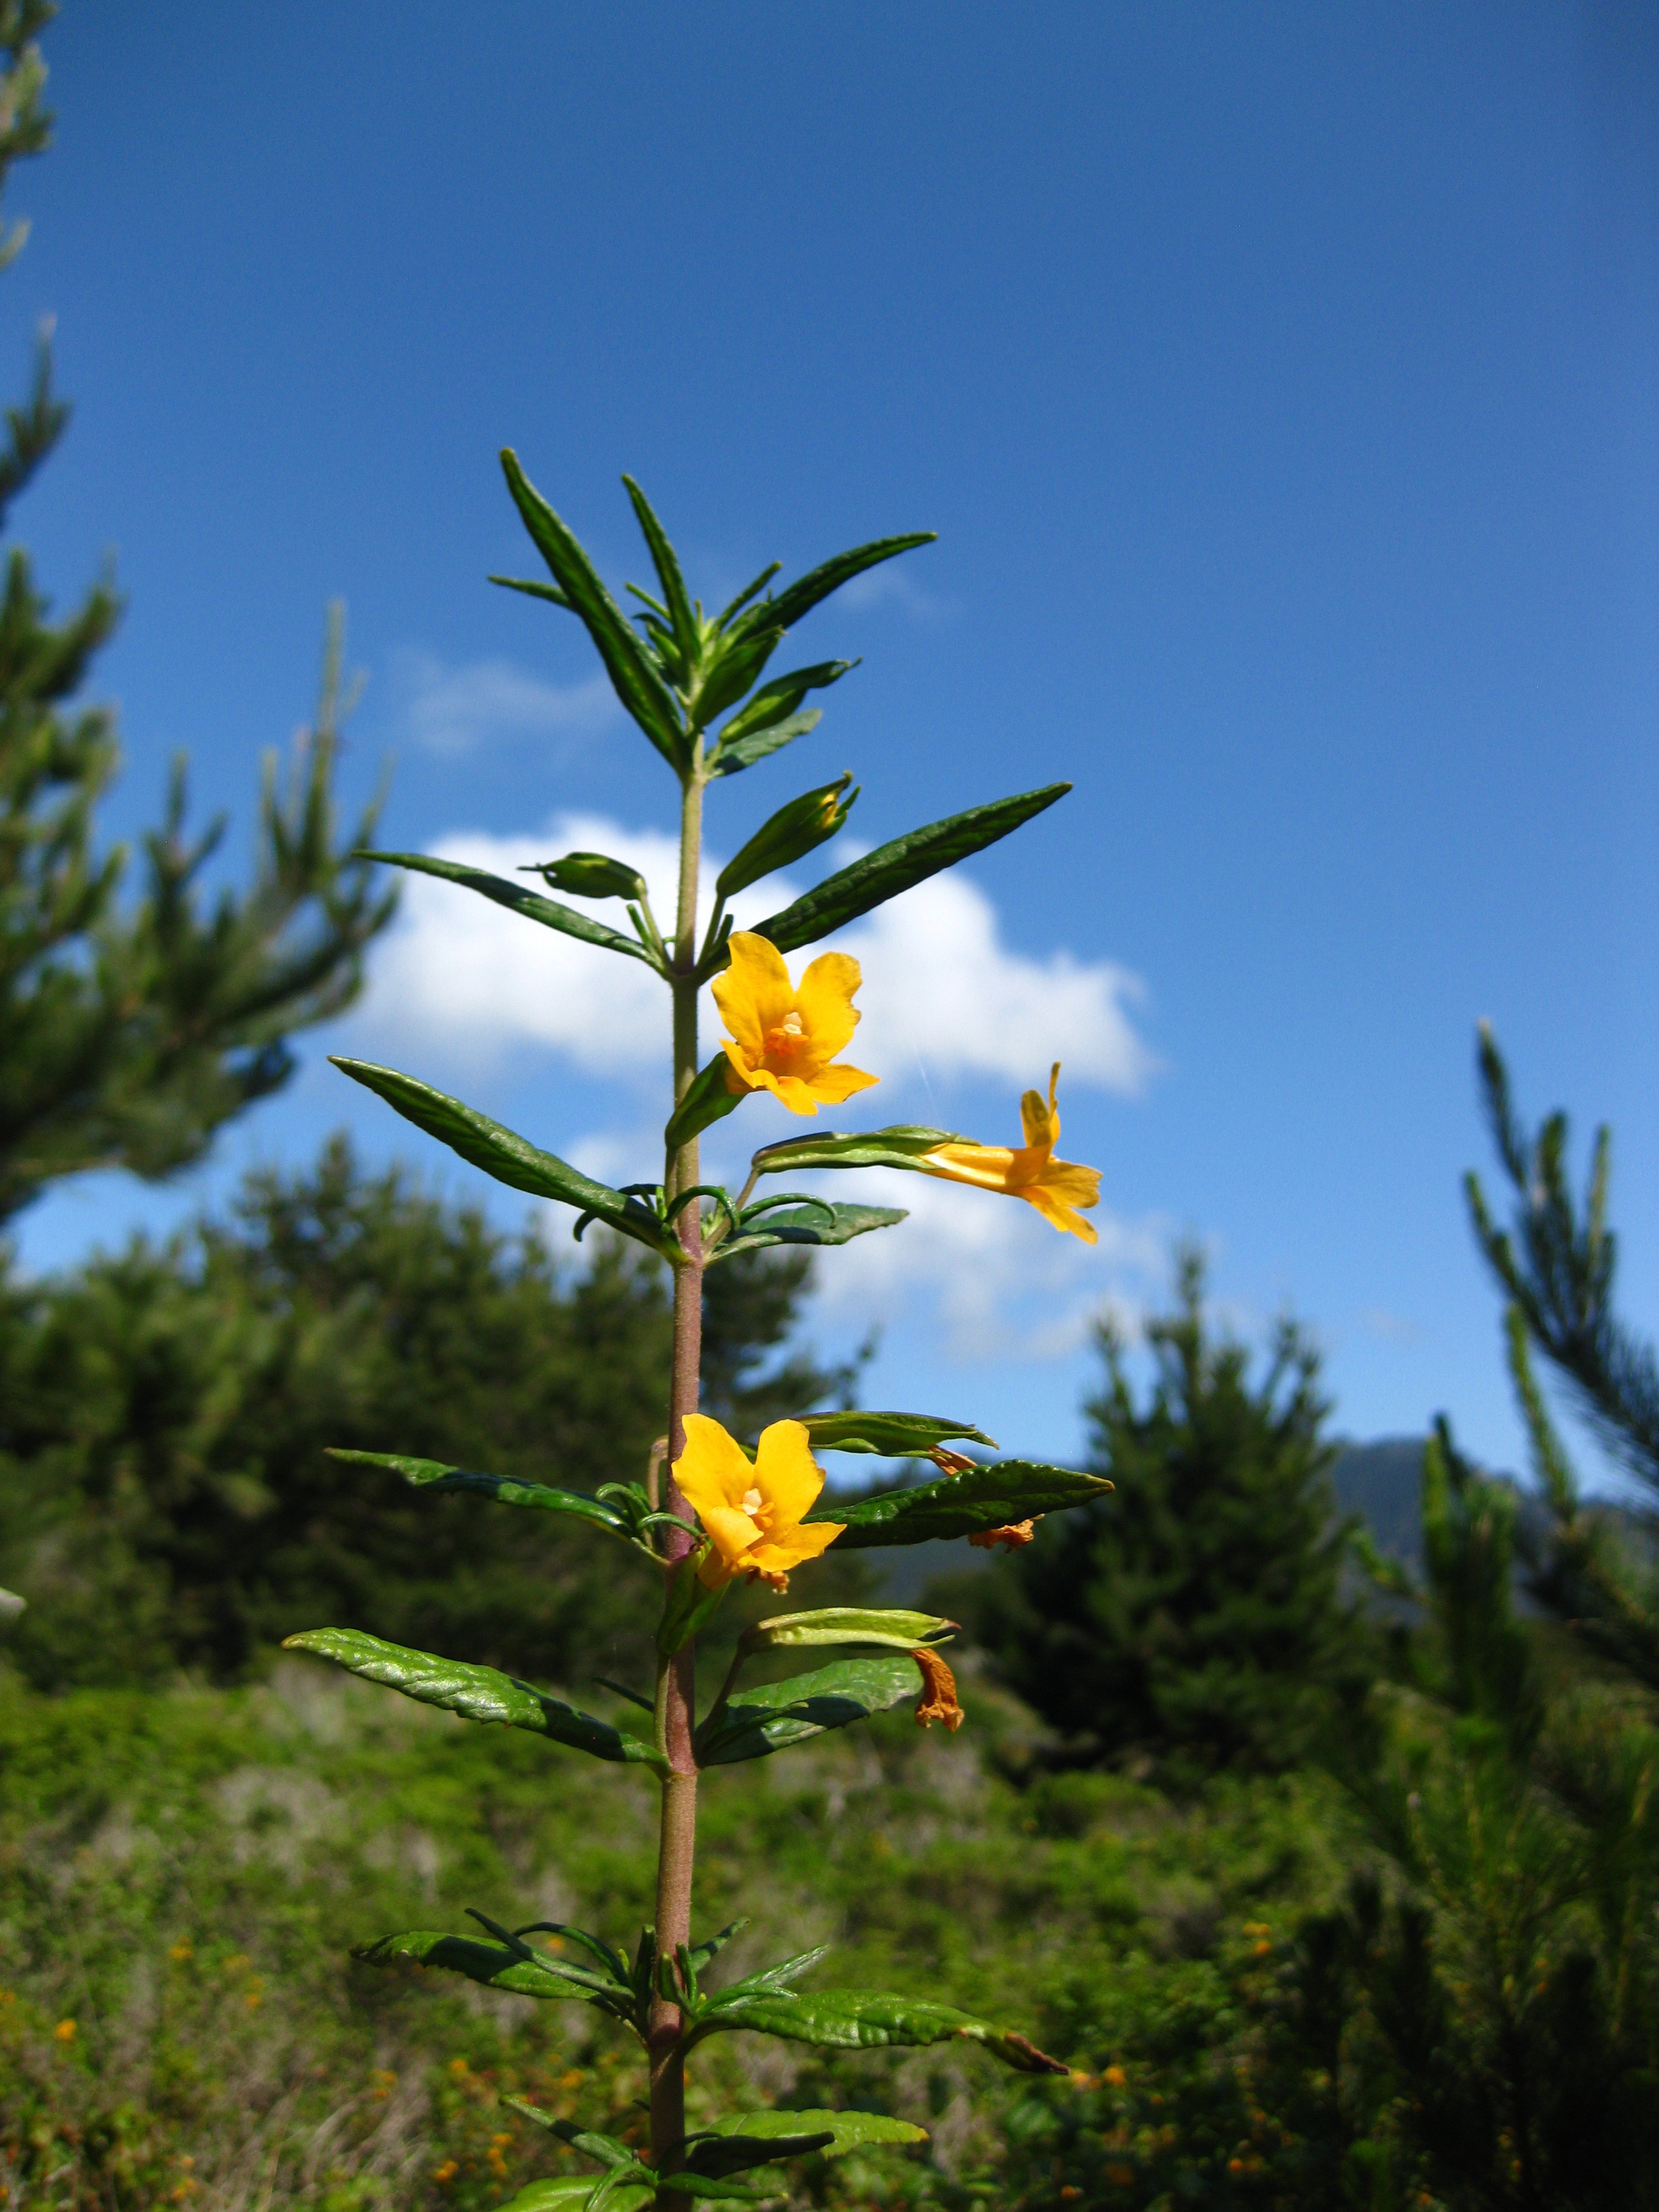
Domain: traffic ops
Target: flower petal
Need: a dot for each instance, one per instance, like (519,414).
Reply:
(776,1554)
(789,1478)
(1053,1209)
(833,1084)
(824,1002)
(712,1471)
(733,1534)
(800,1096)
(1041,1121)
(753,994)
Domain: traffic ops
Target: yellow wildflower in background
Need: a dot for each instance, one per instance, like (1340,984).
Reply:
(1056,1188)
(782,1039)
(751,1510)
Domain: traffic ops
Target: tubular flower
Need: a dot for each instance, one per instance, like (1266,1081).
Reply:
(782,1039)
(1031,1171)
(751,1510)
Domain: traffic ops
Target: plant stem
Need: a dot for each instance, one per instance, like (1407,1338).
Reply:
(677,1694)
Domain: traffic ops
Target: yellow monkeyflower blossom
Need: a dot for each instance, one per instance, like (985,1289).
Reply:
(1031,1171)
(752,1509)
(782,1039)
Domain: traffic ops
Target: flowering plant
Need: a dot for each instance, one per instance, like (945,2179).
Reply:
(727,1509)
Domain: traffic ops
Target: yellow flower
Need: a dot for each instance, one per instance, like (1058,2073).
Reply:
(752,1509)
(1056,1188)
(782,1039)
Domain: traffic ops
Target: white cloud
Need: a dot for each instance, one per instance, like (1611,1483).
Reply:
(459,972)
(990,1280)
(944,993)
(945,998)
(453,711)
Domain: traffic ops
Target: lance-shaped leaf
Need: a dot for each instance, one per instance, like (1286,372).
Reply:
(906,1144)
(777,701)
(809,1224)
(964,1504)
(510,1158)
(569,2192)
(890,869)
(634,675)
(677,600)
(846,2131)
(781,1976)
(867,2020)
(500,1966)
(798,598)
(434,1474)
(721,2152)
(754,744)
(533,587)
(888,1435)
(605,2150)
(708,1099)
(518,898)
(847,1624)
(774,1714)
(477,1693)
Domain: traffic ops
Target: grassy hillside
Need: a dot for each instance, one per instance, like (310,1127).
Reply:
(181,1875)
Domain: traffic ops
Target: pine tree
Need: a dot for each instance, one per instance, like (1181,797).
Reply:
(1557,1270)
(1195,1619)
(132,1032)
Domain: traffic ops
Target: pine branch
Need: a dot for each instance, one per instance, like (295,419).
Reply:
(1560,1274)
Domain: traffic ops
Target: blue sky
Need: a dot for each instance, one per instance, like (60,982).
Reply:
(1281,384)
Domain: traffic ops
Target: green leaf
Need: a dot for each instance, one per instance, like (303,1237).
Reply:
(867,2019)
(605,2150)
(708,1099)
(477,1693)
(634,676)
(676,599)
(433,1474)
(795,830)
(775,701)
(518,899)
(846,2131)
(888,1435)
(747,593)
(497,1967)
(569,2192)
(743,752)
(810,1225)
(780,1977)
(536,589)
(720,2152)
(896,867)
(510,1158)
(799,598)
(960,1504)
(847,1624)
(772,1714)
(906,1144)
(623,2188)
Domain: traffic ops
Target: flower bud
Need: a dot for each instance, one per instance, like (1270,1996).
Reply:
(793,830)
(590,875)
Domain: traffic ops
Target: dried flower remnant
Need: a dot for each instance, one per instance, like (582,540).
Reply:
(1012,1537)
(938,1692)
